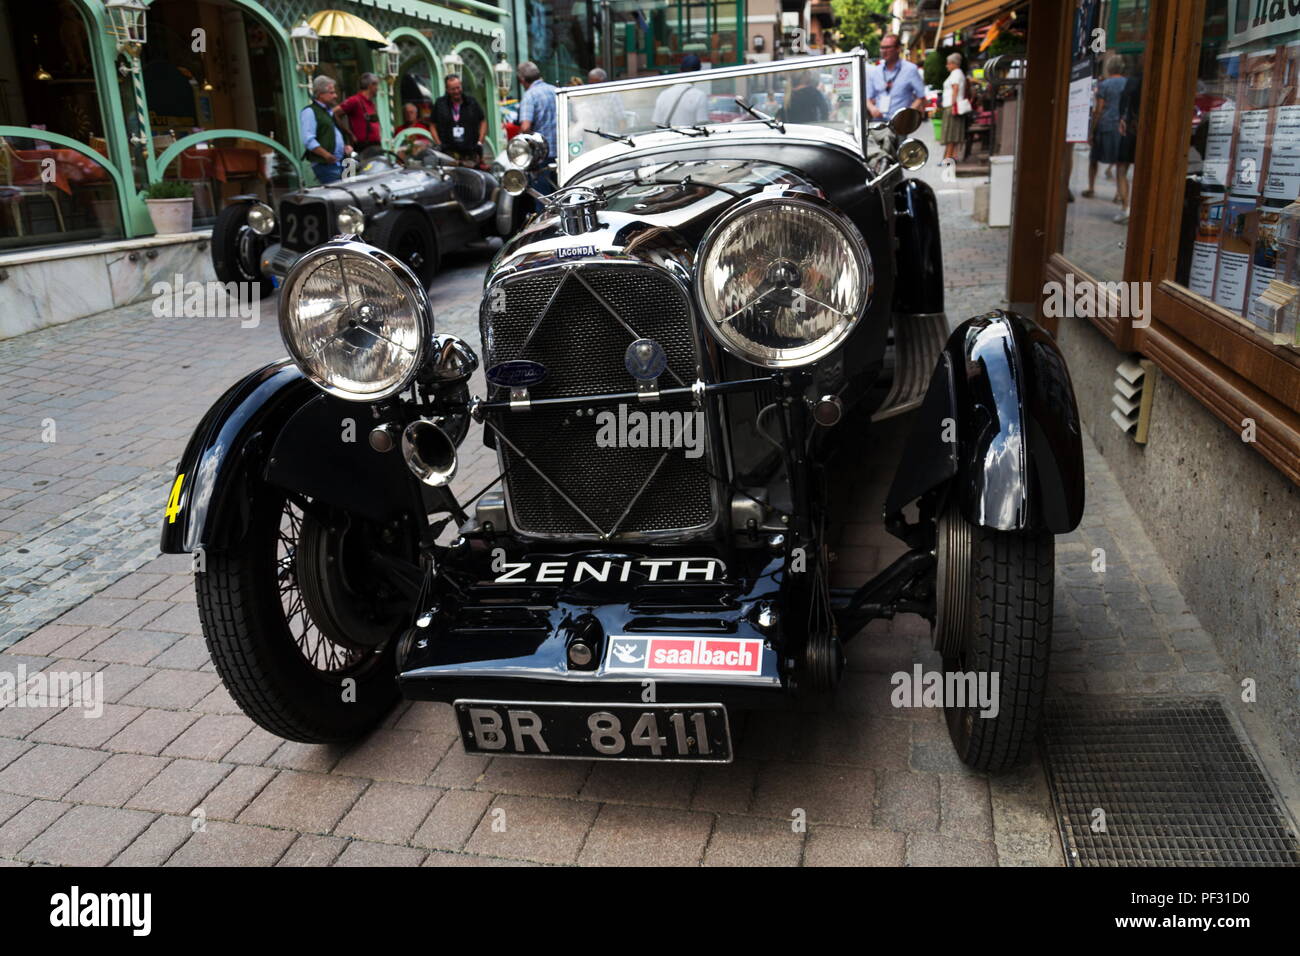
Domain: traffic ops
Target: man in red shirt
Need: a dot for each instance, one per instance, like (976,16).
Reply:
(362,114)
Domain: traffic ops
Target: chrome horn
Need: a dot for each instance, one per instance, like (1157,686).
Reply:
(429,453)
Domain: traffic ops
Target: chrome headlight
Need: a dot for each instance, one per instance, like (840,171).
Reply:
(912,154)
(351,221)
(783,280)
(356,320)
(260,218)
(527,150)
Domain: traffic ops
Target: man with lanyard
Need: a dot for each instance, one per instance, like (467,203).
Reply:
(459,123)
(537,115)
(322,139)
(895,84)
(362,114)
(685,104)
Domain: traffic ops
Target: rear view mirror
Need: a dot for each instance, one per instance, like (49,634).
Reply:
(905,121)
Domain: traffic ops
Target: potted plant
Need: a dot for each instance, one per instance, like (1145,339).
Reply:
(171,207)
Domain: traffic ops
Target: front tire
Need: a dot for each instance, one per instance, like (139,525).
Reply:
(236,249)
(1003,591)
(276,662)
(407,235)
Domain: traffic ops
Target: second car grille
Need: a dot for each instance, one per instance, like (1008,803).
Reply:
(305,225)
(556,317)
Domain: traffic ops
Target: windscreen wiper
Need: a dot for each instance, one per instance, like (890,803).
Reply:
(616,137)
(760,115)
(685,130)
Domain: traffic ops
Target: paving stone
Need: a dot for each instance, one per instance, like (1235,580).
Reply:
(179,787)
(533,828)
(825,794)
(235,792)
(133,647)
(458,769)
(209,737)
(117,779)
(49,770)
(388,812)
(440,858)
(188,653)
(400,755)
(647,784)
(559,778)
(907,801)
(725,788)
(310,802)
(641,836)
(840,846)
(172,690)
(151,732)
(312,849)
(48,639)
(156,844)
(230,844)
(311,758)
(11,803)
(256,747)
(452,820)
(360,853)
(80,727)
(935,849)
(121,679)
(965,808)
(86,836)
(745,841)
(28,823)
(856,740)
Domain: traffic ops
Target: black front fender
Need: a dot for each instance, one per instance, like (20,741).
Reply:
(1000,422)
(276,427)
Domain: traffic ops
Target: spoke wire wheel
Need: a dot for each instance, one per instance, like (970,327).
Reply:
(953,584)
(322,654)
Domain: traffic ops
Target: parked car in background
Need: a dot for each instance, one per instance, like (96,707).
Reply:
(416,210)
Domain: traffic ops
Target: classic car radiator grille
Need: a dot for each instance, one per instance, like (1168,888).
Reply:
(578,323)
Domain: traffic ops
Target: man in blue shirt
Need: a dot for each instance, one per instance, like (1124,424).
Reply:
(894,84)
(321,138)
(537,115)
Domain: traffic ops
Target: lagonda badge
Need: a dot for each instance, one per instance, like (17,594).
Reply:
(516,373)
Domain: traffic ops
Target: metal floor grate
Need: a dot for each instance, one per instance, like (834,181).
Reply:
(1176,784)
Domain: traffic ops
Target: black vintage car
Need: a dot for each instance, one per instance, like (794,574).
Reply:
(415,209)
(687,354)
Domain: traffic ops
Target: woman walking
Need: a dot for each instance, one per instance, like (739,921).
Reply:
(956,93)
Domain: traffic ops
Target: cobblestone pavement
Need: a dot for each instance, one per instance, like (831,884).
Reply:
(171,773)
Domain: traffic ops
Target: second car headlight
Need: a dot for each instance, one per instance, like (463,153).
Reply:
(355,320)
(351,221)
(526,151)
(783,280)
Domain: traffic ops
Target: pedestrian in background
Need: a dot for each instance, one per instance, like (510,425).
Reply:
(411,120)
(895,83)
(685,104)
(322,139)
(1106,137)
(537,115)
(362,114)
(459,123)
(603,111)
(956,98)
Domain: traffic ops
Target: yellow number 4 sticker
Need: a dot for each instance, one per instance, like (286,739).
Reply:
(174,502)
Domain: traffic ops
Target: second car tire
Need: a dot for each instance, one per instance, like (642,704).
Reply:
(406,234)
(228,261)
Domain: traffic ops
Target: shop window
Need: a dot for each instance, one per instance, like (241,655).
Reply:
(51,193)
(219,169)
(1239,236)
(211,65)
(1107,61)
